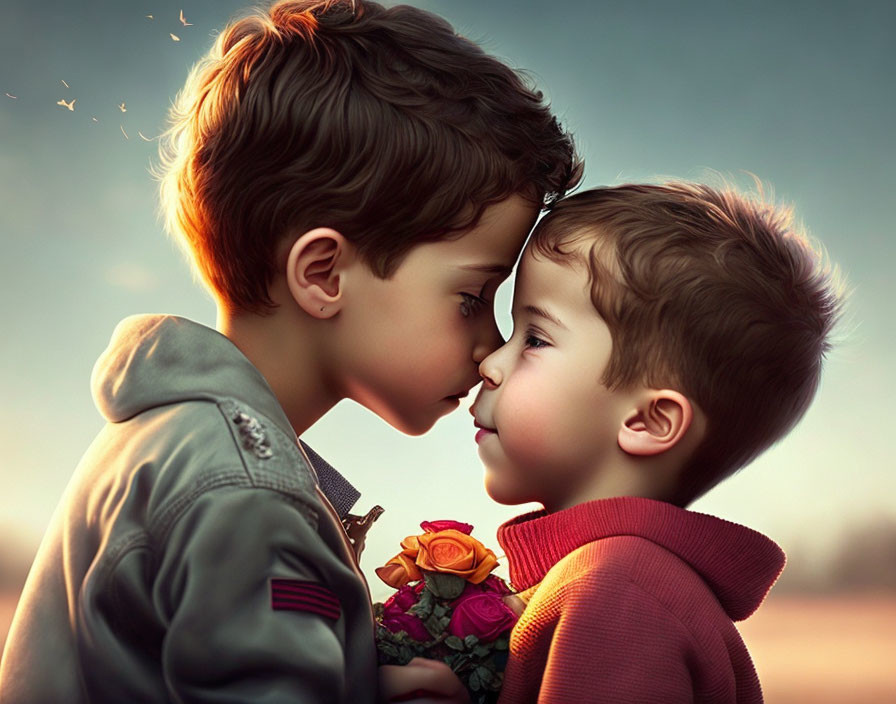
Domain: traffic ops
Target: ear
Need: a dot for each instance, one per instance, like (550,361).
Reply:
(657,425)
(315,267)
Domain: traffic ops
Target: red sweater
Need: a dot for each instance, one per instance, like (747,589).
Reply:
(633,600)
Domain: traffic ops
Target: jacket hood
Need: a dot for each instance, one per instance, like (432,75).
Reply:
(157,360)
(740,565)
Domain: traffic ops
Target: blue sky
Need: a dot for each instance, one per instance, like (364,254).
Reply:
(800,94)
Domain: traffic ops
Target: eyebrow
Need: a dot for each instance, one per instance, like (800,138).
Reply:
(500,269)
(542,313)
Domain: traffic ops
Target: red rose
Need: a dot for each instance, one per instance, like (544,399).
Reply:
(403,599)
(395,620)
(495,584)
(436,526)
(483,615)
(492,584)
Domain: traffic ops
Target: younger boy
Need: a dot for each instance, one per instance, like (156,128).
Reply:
(352,183)
(663,337)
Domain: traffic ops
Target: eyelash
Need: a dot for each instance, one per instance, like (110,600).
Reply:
(533,342)
(471,304)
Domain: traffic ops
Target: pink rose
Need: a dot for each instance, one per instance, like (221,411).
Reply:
(491,585)
(483,615)
(495,584)
(436,526)
(403,599)
(395,620)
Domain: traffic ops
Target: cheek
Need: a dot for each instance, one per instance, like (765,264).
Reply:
(525,419)
(436,354)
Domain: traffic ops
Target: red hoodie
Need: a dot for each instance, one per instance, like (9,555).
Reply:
(633,600)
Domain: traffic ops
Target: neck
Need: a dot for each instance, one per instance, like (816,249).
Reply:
(644,477)
(280,347)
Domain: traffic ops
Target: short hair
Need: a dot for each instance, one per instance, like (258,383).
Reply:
(712,293)
(381,123)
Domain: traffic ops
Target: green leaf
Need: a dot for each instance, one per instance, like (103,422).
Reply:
(470,641)
(481,651)
(444,586)
(387,649)
(454,643)
(434,626)
(424,607)
(485,675)
(474,682)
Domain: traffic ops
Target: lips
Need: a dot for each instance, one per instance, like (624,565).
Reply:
(465,391)
(483,431)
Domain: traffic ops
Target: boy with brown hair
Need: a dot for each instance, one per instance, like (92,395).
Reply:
(664,336)
(352,183)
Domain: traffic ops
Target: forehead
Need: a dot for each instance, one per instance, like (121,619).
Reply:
(497,237)
(564,284)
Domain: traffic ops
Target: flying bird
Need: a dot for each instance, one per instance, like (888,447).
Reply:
(123,132)
(70,106)
(14,97)
(122,107)
(183,21)
(93,118)
(144,137)
(149,17)
(64,83)
(174,37)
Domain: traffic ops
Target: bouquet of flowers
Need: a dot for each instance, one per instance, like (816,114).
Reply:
(448,607)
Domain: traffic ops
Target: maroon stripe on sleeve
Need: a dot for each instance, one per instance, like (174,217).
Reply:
(296,595)
(289,585)
(301,602)
(312,593)
(307,608)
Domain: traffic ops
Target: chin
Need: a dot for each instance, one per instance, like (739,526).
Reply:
(412,426)
(409,423)
(499,494)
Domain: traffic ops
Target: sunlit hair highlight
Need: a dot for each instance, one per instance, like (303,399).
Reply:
(380,123)
(710,292)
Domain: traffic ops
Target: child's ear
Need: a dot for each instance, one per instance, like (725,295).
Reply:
(315,268)
(657,425)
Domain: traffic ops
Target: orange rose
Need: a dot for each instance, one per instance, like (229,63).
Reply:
(452,552)
(402,568)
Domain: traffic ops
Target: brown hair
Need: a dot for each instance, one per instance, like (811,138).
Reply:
(380,123)
(709,292)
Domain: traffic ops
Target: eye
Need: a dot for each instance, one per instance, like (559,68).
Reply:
(532,341)
(471,304)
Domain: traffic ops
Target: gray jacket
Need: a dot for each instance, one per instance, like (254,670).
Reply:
(194,556)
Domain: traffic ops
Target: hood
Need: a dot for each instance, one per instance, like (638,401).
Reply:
(156,360)
(740,565)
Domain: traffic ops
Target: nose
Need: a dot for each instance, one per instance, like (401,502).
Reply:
(490,371)
(489,339)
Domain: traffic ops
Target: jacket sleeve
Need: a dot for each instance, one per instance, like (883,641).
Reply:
(615,643)
(224,641)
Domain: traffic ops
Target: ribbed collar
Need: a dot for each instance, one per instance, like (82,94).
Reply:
(739,564)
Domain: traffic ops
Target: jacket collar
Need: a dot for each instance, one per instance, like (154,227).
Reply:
(336,488)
